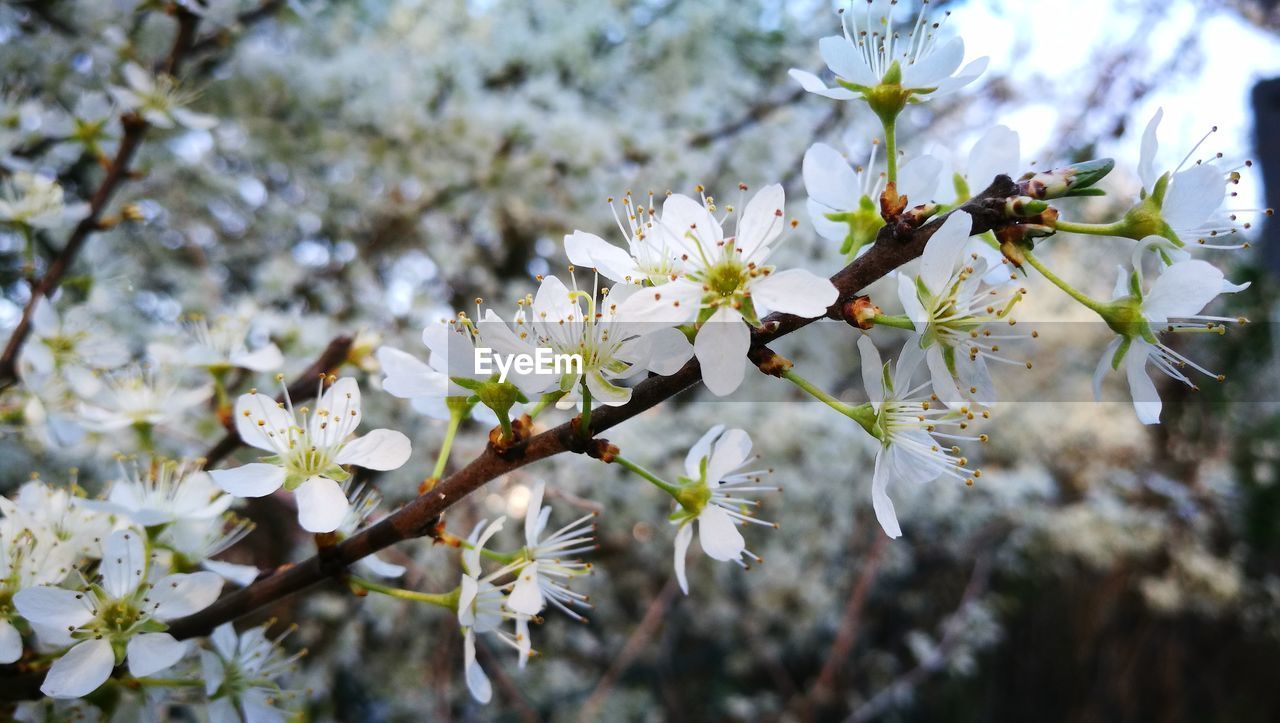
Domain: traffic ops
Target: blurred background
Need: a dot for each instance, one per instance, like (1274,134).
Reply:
(379,164)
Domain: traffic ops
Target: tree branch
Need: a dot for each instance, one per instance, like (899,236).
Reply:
(894,246)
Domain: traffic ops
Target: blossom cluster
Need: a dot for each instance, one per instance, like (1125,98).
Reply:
(90,585)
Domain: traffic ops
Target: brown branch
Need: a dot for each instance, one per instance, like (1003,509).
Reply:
(303,387)
(894,246)
(417,518)
(639,638)
(135,129)
(849,626)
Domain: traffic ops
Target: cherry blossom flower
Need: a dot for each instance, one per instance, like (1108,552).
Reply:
(726,281)
(952,310)
(309,449)
(1172,305)
(71,345)
(549,561)
(649,256)
(710,495)
(872,54)
(139,397)
(915,436)
(240,675)
(221,345)
(119,617)
(158,99)
(28,558)
(162,492)
(611,344)
(844,202)
(33,201)
(56,512)
(482,608)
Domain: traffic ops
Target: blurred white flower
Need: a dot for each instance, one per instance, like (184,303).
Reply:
(162,492)
(73,344)
(54,511)
(240,675)
(115,618)
(308,452)
(28,558)
(158,99)
(142,397)
(33,201)
(219,346)
(649,256)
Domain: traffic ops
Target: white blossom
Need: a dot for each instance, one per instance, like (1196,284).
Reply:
(158,99)
(34,201)
(309,449)
(725,281)
(550,562)
(482,608)
(119,616)
(240,675)
(916,437)
(139,397)
(711,497)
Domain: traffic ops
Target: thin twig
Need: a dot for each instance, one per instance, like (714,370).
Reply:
(635,644)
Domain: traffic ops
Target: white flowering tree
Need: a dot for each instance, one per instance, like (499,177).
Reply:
(198,214)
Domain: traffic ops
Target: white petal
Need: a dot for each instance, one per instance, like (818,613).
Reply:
(909,296)
(794,291)
(240,575)
(477,681)
(880,501)
(555,301)
(731,451)
(813,84)
(1193,195)
(179,595)
(321,504)
(123,560)
(676,302)
(266,359)
(257,707)
(826,228)
(532,525)
(225,640)
(845,61)
(526,595)
(152,652)
(381,568)
(194,121)
(691,225)
(408,377)
(337,414)
(908,361)
(54,607)
(721,347)
(943,250)
(1147,156)
(1104,366)
(967,75)
(717,534)
(829,179)
(930,71)
(380,449)
(1146,400)
(996,152)
(918,178)
(700,449)
(256,479)
(872,370)
(1184,289)
(10,642)
(589,251)
(261,422)
(80,670)
(944,385)
(662,351)
(762,220)
(683,537)
(214,673)
(605,392)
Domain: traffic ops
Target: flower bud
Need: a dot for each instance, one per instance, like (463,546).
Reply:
(1074,180)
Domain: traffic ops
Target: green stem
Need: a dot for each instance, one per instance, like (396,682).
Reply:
(547,400)
(1070,290)
(657,481)
(447,600)
(1091,229)
(455,420)
(891,150)
(863,414)
(584,422)
(900,321)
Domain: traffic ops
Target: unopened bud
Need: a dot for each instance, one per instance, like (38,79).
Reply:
(861,312)
(132,212)
(1023,206)
(1074,180)
(891,204)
